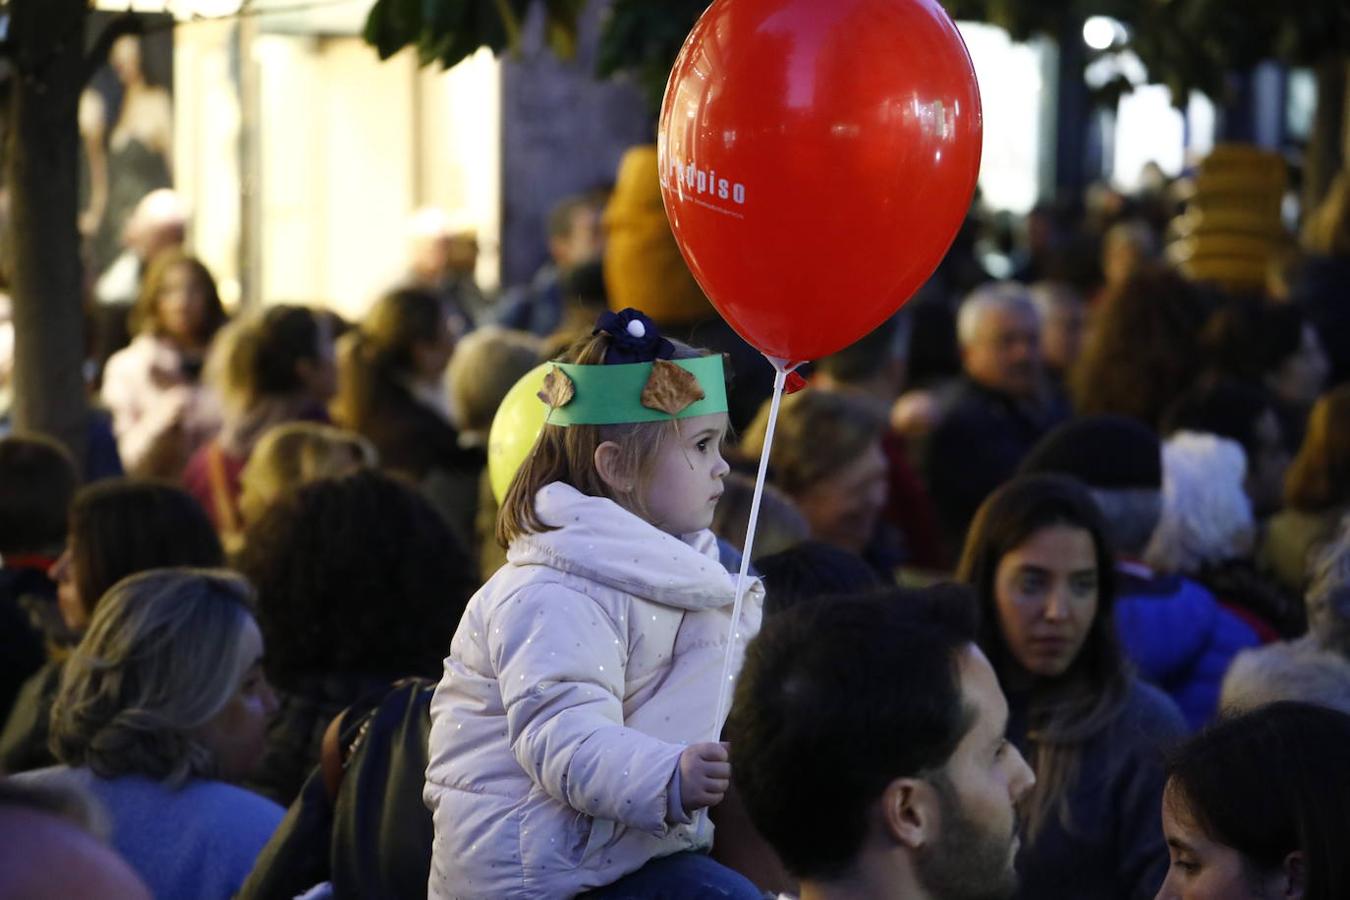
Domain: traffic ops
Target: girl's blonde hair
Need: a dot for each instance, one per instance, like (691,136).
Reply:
(568,455)
(297,453)
(162,656)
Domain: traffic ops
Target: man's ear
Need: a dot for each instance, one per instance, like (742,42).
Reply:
(1295,878)
(910,812)
(607,457)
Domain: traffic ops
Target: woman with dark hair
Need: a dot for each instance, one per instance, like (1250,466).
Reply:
(1256,808)
(274,366)
(117,528)
(359,582)
(1143,349)
(390,384)
(1316,493)
(161,707)
(161,410)
(1042,567)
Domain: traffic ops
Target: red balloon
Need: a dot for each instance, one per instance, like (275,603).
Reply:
(817,159)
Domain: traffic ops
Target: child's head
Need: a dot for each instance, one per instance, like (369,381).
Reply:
(486,365)
(668,472)
(296,453)
(37,483)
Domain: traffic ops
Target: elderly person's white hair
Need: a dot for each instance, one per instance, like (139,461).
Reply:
(1206,518)
(1328,598)
(996,295)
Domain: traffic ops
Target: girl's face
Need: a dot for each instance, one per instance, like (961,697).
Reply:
(843,507)
(1203,869)
(685,480)
(1046,593)
(237,734)
(182,305)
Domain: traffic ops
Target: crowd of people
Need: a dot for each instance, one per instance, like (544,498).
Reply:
(1050,592)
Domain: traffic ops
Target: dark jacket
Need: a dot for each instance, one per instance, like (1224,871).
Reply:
(1179,637)
(1323,290)
(410,437)
(295,734)
(359,822)
(23,744)
(1115,850)
(980,439)
(22,651)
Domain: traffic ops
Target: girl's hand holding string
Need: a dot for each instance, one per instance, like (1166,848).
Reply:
(705,775)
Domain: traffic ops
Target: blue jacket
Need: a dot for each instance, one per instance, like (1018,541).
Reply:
(1178,637)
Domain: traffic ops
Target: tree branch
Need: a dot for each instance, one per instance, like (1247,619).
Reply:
(128,23)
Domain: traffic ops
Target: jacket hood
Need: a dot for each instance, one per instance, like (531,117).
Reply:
(599,540)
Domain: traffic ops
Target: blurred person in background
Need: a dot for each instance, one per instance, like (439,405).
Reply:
(162,412)
(116,528)
(161,711)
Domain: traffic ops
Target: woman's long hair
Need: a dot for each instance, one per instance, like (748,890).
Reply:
(1067,711)
(379,355)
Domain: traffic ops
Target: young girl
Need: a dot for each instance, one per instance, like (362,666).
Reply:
(162,412)
(570,742)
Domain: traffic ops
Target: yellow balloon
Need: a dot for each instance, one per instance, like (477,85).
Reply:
(514,430)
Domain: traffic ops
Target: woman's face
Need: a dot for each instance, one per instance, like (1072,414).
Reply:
(1203,869)
(68,599)
(237,734)
(843,507)
(182,305)
(1046,594)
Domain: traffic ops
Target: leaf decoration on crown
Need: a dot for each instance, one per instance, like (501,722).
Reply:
(670,388)
(558,390)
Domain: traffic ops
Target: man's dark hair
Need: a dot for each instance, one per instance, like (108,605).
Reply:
(560,216)
(837,699)
(37,483)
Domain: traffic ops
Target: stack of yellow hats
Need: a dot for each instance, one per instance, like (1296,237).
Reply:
(1231,229)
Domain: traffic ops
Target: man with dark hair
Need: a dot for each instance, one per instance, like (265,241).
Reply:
(867,743)
(574,238)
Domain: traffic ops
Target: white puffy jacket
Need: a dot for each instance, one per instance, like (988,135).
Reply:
(577,675)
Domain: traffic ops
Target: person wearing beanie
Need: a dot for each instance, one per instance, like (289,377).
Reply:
(1175,632)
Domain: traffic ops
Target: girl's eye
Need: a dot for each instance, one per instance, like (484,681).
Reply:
(1085,584)
(1186,866)
(703,446)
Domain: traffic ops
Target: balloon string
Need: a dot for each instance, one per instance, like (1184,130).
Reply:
(743,578)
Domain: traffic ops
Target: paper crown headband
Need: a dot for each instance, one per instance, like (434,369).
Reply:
(657,391)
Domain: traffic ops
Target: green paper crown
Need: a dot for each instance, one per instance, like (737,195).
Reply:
(612,395)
